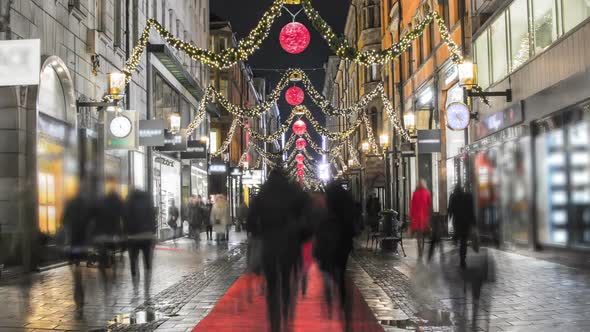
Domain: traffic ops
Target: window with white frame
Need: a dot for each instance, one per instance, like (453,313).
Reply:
(520,46)
(498,48)
(482,59)
(574,12)
(544,23)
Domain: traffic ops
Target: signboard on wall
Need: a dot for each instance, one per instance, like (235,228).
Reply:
(151,132)
(174,141)
(498,121)
(195,150)
(20,62)
(429,141)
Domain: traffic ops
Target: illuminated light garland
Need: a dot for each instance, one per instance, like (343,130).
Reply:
(370,134)
(227,142)
(225,59)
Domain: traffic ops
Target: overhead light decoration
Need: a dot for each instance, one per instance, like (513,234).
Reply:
(300,144)
(296,76)
(294,38)
(294,95)
(300,172)
(299,127)
(300,110)
(300,165)
(299,158)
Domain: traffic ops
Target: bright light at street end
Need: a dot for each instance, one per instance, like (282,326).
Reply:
(324,172)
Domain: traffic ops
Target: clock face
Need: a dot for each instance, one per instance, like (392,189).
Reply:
(120,126)
(458,116)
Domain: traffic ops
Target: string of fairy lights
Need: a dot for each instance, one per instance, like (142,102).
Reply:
(338,44)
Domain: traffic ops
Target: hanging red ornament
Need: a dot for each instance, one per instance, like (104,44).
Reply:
(300,144)
(294,95)
(299,158)
(294,38)
(300,172)
(300,166)
(299,127)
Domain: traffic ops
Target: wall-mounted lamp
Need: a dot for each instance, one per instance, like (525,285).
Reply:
(174,121)
(116,85)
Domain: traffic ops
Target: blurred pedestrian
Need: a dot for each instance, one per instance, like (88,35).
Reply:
(76,222)
(173,215)
(108,229)
(277,211)
(373,209)
(420,208)
(242,215)
(333,245)
(462,212)
(207,219)
(196,216)
(220,218)
(140,227)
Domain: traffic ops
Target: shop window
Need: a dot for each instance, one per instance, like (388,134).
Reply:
(482,58)
(498,45)
(544,23)
(574,12)
(213,141)
(118,22)
(166,99)
(519,34)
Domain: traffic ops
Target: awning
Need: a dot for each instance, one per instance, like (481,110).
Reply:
(166,56)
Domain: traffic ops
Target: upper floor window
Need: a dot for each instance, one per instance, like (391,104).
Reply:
(574,12)
(498,46)
(372,15)
(544,23)
(482,59)
(519,34)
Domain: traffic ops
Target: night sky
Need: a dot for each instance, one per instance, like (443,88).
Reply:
(244,15)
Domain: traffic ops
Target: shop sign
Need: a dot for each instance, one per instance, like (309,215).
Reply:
(429,141)
(151,132)
(407,150)
(499,121)
(174,141)
(195,150)
(164,161)
(120,130)
(235,171)
(217,169)
(252,178)
(20,62)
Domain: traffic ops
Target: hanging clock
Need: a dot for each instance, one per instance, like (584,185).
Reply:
(458,116)
(120,126)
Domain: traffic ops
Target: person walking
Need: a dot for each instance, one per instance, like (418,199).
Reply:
(220,218)
(462,212)
(207,220)
(242,215)
(196,214)
(173,215)
(140,228)
(420,208)
(76,222)
(334,237)
(373,209)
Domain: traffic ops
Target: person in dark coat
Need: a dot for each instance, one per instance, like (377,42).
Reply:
(274,218)
(76,222)
(462,211)
(333,244)
(140,227)
(196,215)
(108,227)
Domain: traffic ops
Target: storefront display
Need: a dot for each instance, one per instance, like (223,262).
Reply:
(167,189)
(563,175)
(199,181)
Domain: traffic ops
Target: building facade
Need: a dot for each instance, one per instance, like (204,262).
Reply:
(61,144)
(529,157)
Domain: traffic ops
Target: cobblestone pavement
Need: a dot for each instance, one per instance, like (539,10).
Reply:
(528,294)
(44,301)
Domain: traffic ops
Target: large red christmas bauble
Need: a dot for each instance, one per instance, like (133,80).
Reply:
(294,38)
(294,95)
(300,166)
(300,172)
(300,144)
(299,127)
(299,158)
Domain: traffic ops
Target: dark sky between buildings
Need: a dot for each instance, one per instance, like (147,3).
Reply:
(245,14)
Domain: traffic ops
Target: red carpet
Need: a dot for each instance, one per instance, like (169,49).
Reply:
(234,312)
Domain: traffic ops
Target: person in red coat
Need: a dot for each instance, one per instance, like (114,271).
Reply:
(420,208)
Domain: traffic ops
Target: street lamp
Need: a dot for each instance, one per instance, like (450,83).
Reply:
(350,163)
(116,85)
(384,140)
(365,147)
(468,79)
(466,73)
(174,120)
(410,122)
